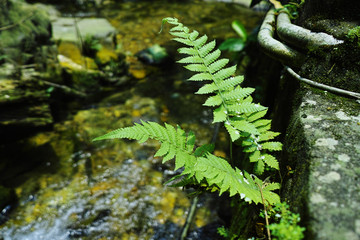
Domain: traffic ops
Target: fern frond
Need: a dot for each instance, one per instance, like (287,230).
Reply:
(217,171)
(174,142)
(233,104)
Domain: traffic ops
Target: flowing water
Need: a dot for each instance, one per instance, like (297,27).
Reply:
(114,189)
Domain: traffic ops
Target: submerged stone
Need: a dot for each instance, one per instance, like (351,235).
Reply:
(153,55)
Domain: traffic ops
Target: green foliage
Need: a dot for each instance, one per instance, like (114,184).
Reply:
(90,46)
(236,44)
(199,164)
(222,231)
(286,225)
(292,8)
(233,107)
(354,35)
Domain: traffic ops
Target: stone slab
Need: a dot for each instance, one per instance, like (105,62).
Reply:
(65,28)
(323,146)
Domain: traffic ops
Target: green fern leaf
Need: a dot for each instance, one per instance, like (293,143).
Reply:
(218,171)
(257,115)
(224,73)
(255,156)
(198,43)
(191,59)
(188,51)
(213,101)
(246,108)
(219,64)
(204,50)
(212,57)
(177,28)
(190,142)
(220,114)
(207,88)
(272,146)
(233,132)
(230,83)
(262,122)
(268,135)
(164,149)
(196,67)
(193,35)
(233,105)
(184,41)
(201,77)
(204,149)
(238,93)
(259,167)
(179,34)
(264,128)
(270,161)
(173,141)
(245,126)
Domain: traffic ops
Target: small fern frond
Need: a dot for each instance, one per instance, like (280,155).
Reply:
(174,142)
(217,171)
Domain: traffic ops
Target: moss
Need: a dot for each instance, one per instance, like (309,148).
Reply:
(337,67)
(354,35)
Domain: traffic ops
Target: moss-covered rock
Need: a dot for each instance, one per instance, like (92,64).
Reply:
(321,170)
(24,28)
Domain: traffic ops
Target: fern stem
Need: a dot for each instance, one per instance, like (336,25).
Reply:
(231,153)
(265,212)
(215,134)
(195,200)
(189,218)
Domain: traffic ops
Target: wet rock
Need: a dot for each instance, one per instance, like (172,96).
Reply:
(153,55)
(68,29)
(89,61)
(24,108)
(24,29)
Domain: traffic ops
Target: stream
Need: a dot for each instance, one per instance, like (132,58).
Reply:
(86,190)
